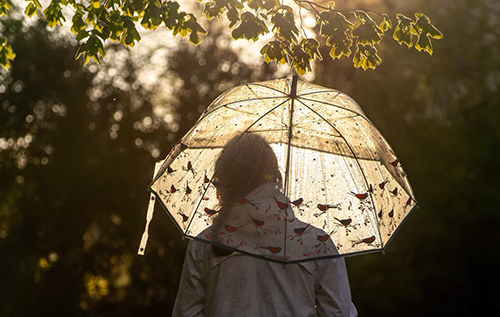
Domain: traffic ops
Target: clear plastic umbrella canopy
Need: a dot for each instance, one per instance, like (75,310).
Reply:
(287,171)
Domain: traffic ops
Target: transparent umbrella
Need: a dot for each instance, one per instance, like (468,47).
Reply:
(287,171)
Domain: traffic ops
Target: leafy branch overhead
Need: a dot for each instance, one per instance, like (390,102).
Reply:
(351,34)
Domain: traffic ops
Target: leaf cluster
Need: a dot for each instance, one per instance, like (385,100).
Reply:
(348,33)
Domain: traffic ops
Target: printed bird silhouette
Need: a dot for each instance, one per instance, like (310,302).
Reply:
(256,222)
(323,237)
(280,204)
(395,191)
(206,180)
(188,190)
(169,170)
(366,240)
(272,249)
(408,202)
(394,163)
(231,228)
(301,231)
(382,185)
(344,222)
(189,167)
(297,202)
(391,213)
(360,196)
(184,217)
(211,212)
(325,207)
(245,201)
(172,189)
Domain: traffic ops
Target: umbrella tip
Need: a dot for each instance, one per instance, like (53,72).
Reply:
(293,90)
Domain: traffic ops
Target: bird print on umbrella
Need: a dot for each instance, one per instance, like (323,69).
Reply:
(325,207)
(368,240)
(258,224)
(298,233)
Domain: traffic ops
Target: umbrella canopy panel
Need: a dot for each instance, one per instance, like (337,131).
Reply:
(341,189)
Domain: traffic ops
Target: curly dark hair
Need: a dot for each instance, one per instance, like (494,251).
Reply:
(246,162)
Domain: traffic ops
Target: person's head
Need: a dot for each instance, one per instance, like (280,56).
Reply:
(246,162)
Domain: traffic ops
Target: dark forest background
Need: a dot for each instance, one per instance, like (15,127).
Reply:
(78,147)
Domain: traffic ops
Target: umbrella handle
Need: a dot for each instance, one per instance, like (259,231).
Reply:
(149,215)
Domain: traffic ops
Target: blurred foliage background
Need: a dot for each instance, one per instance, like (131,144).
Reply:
(78,146)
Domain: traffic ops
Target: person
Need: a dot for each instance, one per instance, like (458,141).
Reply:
(216,281)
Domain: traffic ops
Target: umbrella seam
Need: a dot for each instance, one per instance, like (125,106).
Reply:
(259,256)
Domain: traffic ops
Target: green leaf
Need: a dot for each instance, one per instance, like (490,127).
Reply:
(363,17)
(366,30)
(152,16)
(81,35)
(262,4)
(4,7)
(284,23)
(91,49)
(366,57)
(192,25)
(233,16)
(332,23)
(130,34)
(250,27)
(78,23)
(424,43)
(6,53)
(340,48)
(424,29)
(213,9)
(274,51)
(424,25)
(386,23)
(368,33)
(171,15)
(31,9)
(311,47)
(402,32)
(300,60)
(53,14)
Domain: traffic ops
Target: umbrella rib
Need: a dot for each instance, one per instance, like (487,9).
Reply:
(265,114)
(337,106)
(238,101)
(271,88)
(357,161)
(320,92)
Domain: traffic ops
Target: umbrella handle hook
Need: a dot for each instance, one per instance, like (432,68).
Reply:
(149,215)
